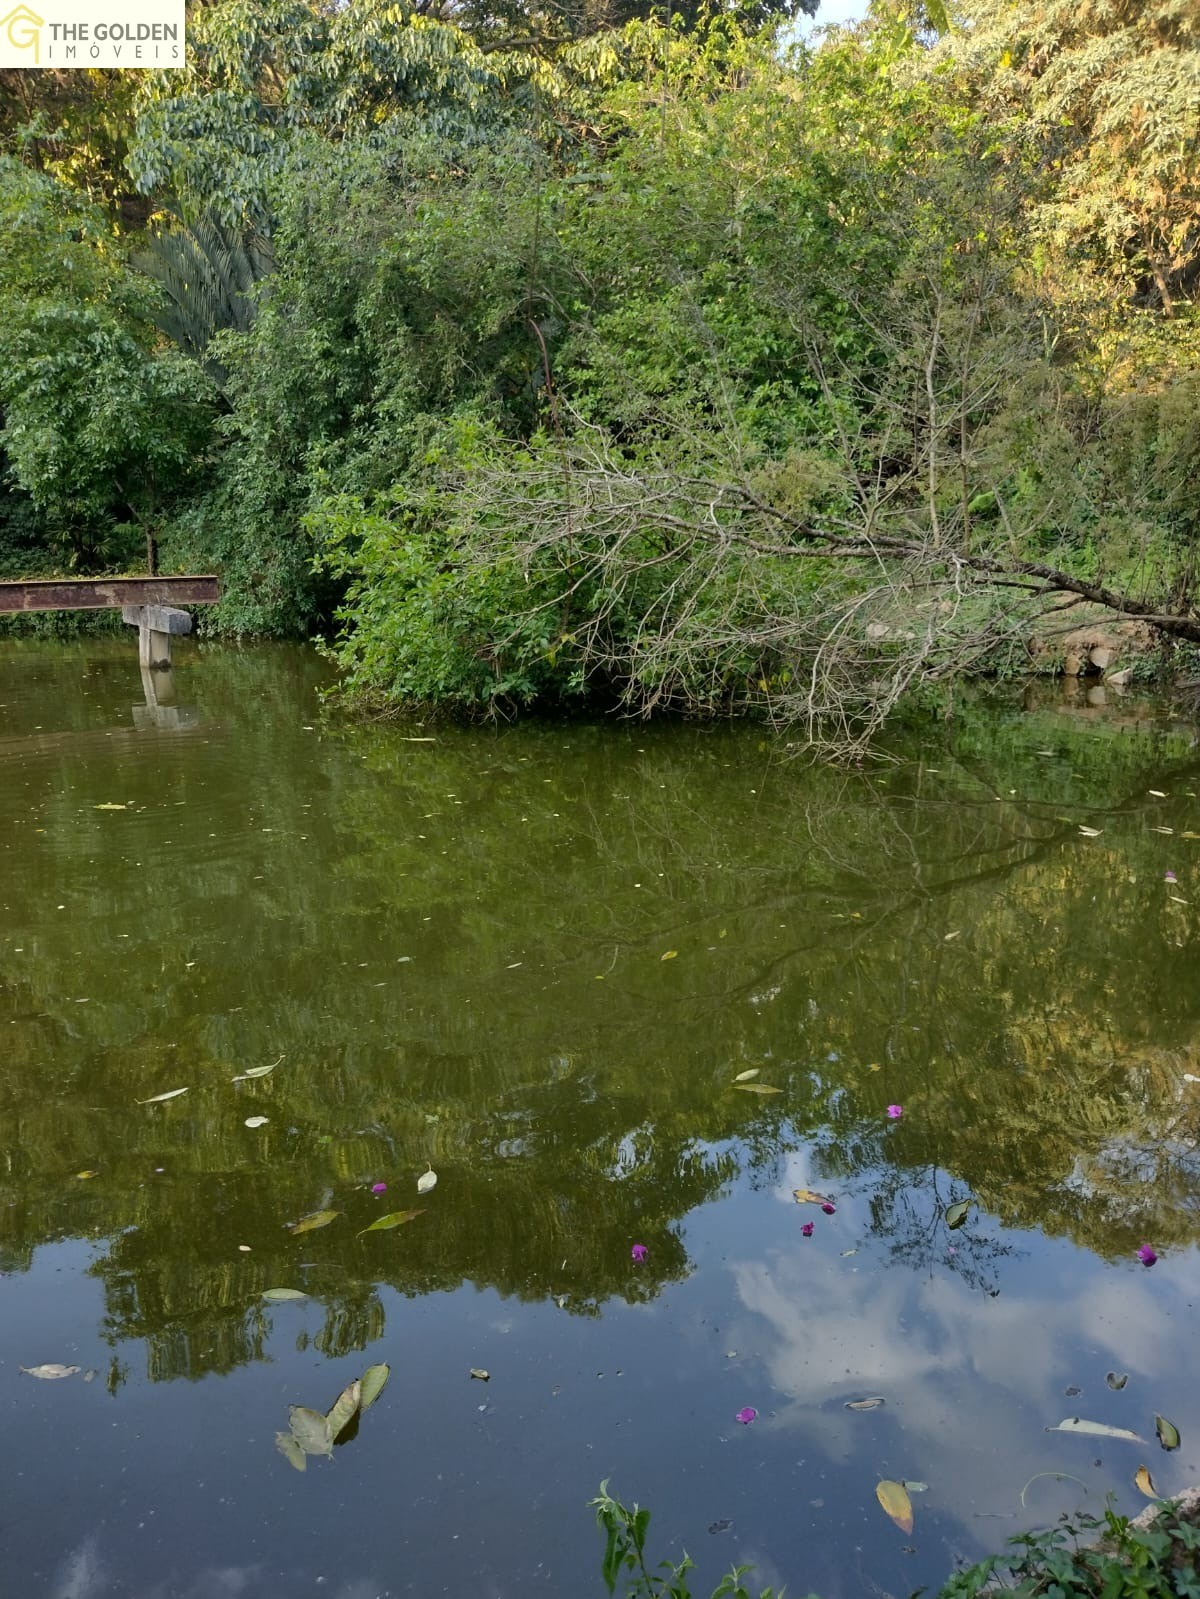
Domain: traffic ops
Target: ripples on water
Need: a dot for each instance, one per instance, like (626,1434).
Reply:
(457,949)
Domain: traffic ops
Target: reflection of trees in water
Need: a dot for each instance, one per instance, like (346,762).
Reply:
(1025,994)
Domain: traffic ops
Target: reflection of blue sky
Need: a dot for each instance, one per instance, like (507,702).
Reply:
(972,1381)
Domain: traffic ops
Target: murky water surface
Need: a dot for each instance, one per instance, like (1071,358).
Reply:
(536,960)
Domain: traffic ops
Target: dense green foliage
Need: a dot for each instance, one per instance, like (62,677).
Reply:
(1083,1559)
(583,359)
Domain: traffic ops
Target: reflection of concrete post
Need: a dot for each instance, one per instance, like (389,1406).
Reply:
(158,685)
(155,625)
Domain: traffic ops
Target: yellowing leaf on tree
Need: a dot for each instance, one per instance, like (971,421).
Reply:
(893,1496)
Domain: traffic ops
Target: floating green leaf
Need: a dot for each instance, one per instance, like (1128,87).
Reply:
(757,1088)
(893,1496)
(278,1295)
(1096,1429)
(957,1214)
(310,1430)
(668,955)
(1168,1435)
(748,1077)
(916,1487)
(374,1381)
(1116,1381)
(291,1451)
(344,1408)
(397,1218)
(309,1224)
(157,1099)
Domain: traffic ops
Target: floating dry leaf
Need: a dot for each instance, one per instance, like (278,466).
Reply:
(808,1196)
(893,1496)
(955,934)
(757,1088)
(1168,1434)
(310,1430)
(864,1404)
(748,1077)
(49,1372)
(257,1071)
(257,1121)
(396,1218)
(308,1224)
(1162,829)
(1091,832)
(957,1214)
(428,1181)
(82,1176)
(916,1487)
(109,805)
(374,1381)
(1096,1429)
(157,1099)
(483,1376)
(291,1451)
(1141,1478)
(344,1408)
(278,1295)
(668,955)
(1116,1381)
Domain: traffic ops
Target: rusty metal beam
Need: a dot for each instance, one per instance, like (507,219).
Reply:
(97,593)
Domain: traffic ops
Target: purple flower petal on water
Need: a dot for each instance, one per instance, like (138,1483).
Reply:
(895,1112)
(1146,1255)
(830,1210)
(747,1415)
(379,1188)
(639,1252)
(1169,877)
(807,1229)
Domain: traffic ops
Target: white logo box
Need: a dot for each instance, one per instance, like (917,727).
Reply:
(92,33)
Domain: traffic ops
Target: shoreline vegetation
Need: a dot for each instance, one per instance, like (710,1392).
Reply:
(1152,1556)
(581,359)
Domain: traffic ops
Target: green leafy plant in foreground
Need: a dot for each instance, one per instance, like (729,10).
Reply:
(624,1528)
(1090,1558)
(1082,1558)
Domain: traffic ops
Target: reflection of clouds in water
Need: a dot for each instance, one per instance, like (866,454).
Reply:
(971,1382)
(84,1576)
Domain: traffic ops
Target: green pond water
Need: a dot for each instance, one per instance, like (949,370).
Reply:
(535,959)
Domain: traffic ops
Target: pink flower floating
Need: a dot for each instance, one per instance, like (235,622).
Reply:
(747,1415)
(895,1112)
(1146,1255)
(807,1229)
(639,1252)
(379,1188)
(1169,877)
(830,1210)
